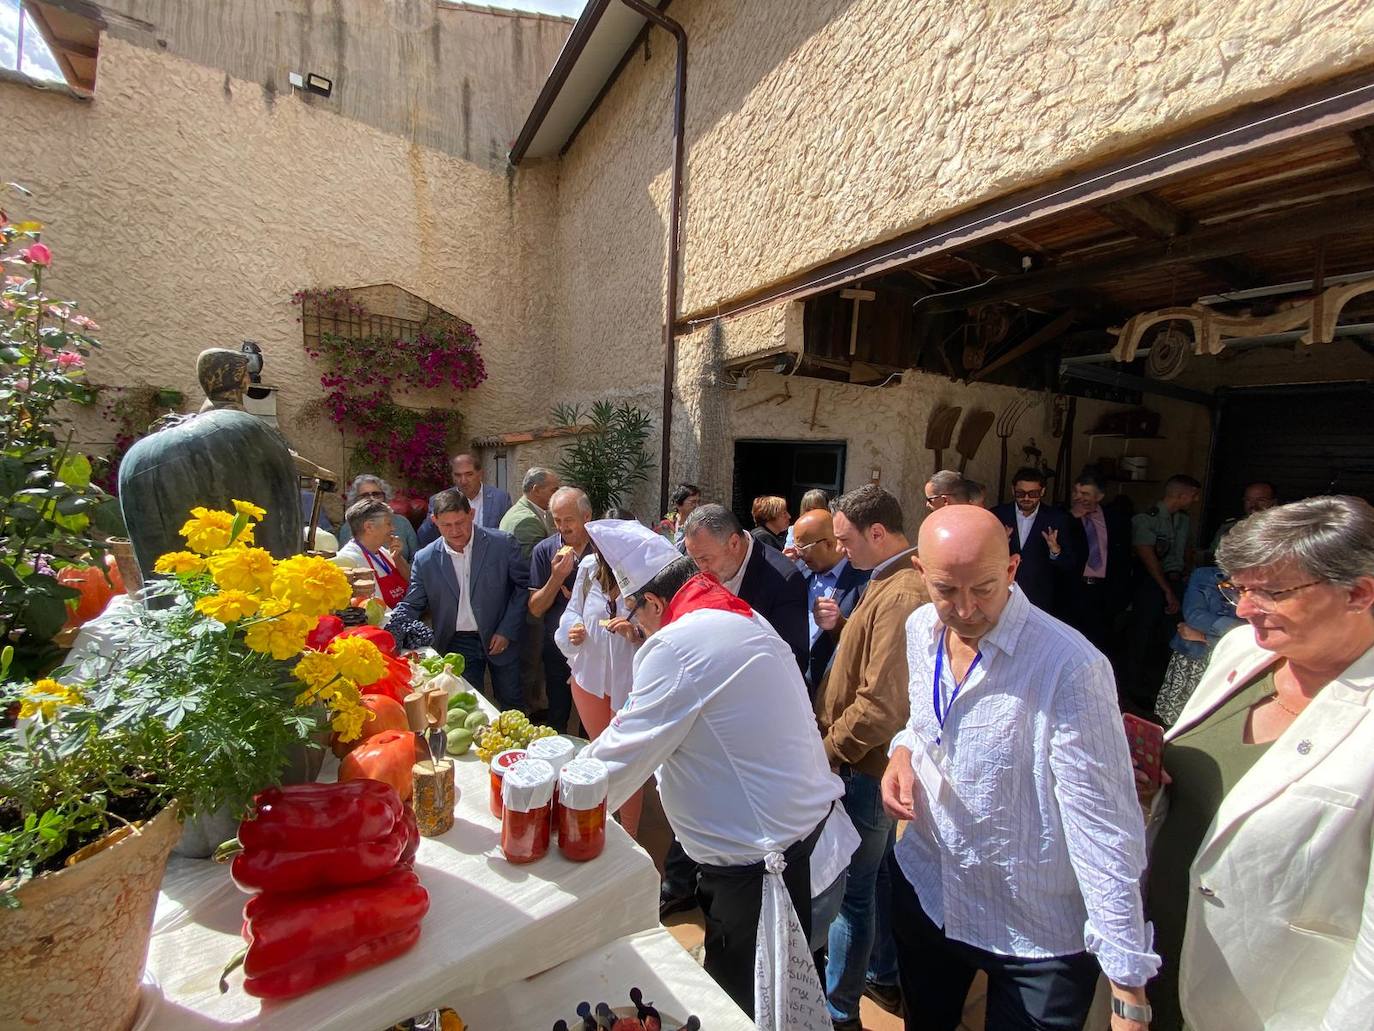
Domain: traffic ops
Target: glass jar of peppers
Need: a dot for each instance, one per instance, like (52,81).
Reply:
(527,804)
(500,763)
(556,751)
(582,785)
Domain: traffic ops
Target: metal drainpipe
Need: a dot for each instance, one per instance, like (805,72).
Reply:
(674,235)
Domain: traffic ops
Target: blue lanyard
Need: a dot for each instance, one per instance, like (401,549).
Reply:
(942,713)
(377,560)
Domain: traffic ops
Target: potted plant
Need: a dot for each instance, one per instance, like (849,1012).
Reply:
(53,516)
(195,705)
(608,458)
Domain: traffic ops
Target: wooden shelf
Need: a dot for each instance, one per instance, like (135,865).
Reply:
(1124,436)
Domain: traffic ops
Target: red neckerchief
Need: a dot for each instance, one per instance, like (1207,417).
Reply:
(703,591)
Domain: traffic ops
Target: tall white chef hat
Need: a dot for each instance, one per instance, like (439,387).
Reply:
(634,552)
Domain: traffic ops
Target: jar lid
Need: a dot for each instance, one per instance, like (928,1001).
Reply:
(528,785)
(502,761)
(582,783)
(553,750)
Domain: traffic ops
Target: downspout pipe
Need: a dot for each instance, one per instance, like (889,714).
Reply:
(674,234)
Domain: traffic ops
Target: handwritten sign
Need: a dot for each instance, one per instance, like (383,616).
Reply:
(787,991)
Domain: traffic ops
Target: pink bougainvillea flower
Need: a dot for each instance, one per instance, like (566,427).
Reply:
(6,304)
(57,311)
(70,360)
(21,384)
(84,322)
(37,254)
(15,280)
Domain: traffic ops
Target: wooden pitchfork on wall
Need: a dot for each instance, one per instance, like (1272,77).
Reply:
(939,431)
(1006,426)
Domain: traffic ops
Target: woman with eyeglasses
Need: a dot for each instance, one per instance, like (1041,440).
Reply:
(370,486)
(599,641)
(1259,881)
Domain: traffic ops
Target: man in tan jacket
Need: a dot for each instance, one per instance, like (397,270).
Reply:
(861,706)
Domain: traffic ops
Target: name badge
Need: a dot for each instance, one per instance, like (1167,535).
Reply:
(928,760)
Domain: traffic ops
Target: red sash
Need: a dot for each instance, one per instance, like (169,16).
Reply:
(704,591)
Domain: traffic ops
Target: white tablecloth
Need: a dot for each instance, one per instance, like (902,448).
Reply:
(489,923)
(653,961)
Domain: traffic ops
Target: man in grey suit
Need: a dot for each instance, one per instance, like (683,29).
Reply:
(488,504)
(473,585)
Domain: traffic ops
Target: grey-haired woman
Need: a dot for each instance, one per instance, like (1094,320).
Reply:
(370,485)
(1260,876)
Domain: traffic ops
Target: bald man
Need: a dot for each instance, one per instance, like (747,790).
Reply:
(1026,846)
(833,586)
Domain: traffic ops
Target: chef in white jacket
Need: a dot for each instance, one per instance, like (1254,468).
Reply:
(719,713)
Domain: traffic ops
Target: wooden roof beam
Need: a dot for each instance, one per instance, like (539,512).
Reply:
(1153,218)
(995,256)
(1364,146)
(1350,214)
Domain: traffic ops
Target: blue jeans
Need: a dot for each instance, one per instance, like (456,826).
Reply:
(852,933)
(505,680)
(882,961)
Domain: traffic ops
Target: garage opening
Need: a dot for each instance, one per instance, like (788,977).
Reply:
(787,468)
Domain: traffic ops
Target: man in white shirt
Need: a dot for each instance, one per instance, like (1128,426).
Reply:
(1026,844)
(719,713)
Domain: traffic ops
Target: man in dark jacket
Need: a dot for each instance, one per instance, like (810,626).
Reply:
(1102,535)
(763,577)
(1045,539)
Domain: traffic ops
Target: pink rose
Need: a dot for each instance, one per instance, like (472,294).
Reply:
(37,254)
(70,360)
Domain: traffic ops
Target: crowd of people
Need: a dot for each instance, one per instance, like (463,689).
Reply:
(801,689)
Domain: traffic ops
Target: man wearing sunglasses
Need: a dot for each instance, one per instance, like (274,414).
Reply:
(833,587)
(1045,539)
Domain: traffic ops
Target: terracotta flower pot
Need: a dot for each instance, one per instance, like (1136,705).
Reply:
(72,954)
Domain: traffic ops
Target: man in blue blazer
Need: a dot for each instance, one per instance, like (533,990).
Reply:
(1046,540)
(763,577)
(832,582)
(488,504)
(473,584)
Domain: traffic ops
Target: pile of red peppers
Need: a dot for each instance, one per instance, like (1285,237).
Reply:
(329,867)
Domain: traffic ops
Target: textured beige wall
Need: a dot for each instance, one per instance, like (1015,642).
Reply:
(184,210)
(451,79)
(815,127)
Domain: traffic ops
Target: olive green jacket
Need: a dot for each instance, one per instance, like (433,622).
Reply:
(527,523)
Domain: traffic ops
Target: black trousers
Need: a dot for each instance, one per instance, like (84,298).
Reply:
(1091,614)
(556,689)
(1052,994)
(679,872)
(1146,651)
(731,898)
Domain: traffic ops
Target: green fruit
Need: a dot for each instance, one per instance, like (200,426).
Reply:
(459,741)
(475,720)
(465,700)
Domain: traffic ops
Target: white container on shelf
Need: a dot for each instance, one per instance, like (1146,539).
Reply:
(1135,467)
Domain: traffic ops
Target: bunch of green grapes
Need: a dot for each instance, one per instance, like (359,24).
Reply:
(511,729)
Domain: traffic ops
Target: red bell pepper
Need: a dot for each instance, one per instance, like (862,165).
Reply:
(302,817)
(381,638)
(289,981)
(330,867)
(327,627)
(285,930)
(387,757)
(394,683)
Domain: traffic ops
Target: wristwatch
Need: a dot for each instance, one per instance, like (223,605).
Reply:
(1131,1011)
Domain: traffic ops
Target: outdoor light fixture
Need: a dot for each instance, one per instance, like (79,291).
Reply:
(311,83)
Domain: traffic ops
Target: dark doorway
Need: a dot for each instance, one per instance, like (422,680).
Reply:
(1308,439)
(788,468)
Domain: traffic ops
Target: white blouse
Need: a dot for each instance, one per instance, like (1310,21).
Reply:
(604,663)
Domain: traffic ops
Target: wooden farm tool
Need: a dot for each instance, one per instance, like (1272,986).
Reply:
(939,431)
(1006,426)
(971,435)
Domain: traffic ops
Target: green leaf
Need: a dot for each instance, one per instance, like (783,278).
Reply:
(75,470)
(44,614)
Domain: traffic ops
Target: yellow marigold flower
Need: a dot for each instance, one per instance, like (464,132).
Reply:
(275,607)
(357,659)
(348,723)
(228,606)
(46,697)
(282,637)
(179,562)
(315,670)
(249,509)
(208,530)
(312,585)
(242,569)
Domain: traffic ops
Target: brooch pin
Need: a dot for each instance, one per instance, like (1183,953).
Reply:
(1304,746)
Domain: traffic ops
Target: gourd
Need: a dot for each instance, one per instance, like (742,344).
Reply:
(209,459)
(95,593)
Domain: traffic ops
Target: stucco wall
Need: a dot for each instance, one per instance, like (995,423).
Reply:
(184,209)
(817,127)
